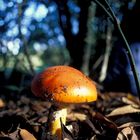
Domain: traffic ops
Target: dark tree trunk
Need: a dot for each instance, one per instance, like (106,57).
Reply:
(74,43)
(130,23)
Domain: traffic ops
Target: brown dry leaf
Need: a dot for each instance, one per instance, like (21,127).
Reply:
(104,120)
(133,98)
(2,104)
(124,134)
(128,133)
(25,135)
(43,119)
(11,136)
(129,124)
(124,110)
(76,116)
(128,101)
(90,124)
(93,138)
(24,100)
(39,106)
(136,135)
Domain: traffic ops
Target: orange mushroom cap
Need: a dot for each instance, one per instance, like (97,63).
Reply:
(64,84)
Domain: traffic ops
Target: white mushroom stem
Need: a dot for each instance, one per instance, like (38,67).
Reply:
(56,124)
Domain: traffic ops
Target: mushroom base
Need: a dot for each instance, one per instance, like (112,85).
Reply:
(56,124)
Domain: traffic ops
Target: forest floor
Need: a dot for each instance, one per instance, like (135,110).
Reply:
(114,116)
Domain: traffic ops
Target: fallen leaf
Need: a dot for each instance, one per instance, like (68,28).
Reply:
(25,135)
(76,116)
(133,98)
(136,133)
(123,135)
(92,126)
(10,136)
(104,120)
(2,104)
(128,101)
(43,119)
(124,110)
(93,138)
(129,124)
(69,127)
(129,133)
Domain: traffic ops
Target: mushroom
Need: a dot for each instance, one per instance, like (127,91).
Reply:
(63,85)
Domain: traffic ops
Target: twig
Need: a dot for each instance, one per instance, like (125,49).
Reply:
(105,9)
(116,22)
(107,53)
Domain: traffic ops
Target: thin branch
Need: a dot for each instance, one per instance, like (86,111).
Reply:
(107,53)
(116,22)
(103,7)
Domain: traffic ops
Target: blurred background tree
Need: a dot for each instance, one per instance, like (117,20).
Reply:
(41,33)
